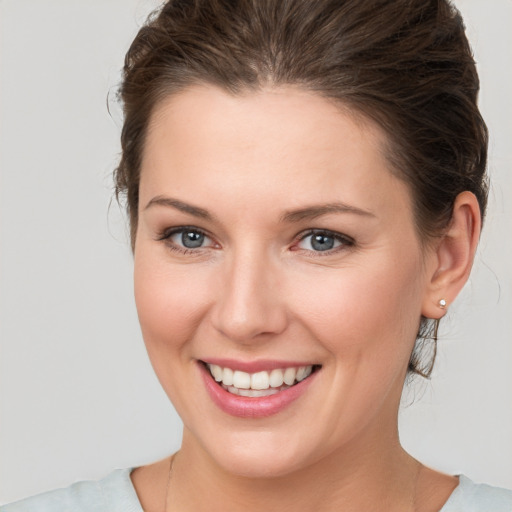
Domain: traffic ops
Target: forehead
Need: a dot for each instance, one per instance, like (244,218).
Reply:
(285,143)
(293,113)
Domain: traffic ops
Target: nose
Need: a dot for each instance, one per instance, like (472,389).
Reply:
(249,304)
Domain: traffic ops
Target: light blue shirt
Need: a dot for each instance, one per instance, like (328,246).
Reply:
(115,493)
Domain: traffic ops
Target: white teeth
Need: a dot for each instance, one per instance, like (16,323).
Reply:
(276,378)
(262,383)
(252,393)
(303,372)
(227,376)
(216,372)
(257,392)
(289,376)
(259,380)
(241,380)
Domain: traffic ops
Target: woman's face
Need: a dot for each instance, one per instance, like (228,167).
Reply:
(273,236)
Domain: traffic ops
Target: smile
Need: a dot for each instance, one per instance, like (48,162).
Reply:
(256,389)
(259,384)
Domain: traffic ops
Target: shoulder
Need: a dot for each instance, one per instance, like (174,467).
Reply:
(472,497)
(114,493)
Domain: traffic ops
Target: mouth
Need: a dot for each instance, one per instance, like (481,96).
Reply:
(261,383)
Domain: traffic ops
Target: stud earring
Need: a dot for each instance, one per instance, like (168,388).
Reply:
(442,304)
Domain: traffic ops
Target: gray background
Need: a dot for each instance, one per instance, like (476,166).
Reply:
(77,394)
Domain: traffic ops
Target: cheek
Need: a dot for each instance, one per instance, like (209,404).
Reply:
(169,302)
(366,318)
(366,307)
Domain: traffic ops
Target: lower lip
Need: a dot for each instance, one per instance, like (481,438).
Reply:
(252,407)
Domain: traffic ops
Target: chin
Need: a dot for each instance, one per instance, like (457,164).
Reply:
(257,466)
(263,455)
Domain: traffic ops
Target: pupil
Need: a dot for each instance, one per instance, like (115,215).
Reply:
(192,239)
(322,242)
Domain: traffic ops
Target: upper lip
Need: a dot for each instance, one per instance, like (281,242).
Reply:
(256,366)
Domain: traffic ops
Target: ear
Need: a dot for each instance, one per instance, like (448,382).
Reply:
(452,258)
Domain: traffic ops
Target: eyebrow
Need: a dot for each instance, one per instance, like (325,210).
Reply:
(196,211)
(314,211)
(291,216)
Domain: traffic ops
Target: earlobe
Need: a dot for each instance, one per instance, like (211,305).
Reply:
(453,256)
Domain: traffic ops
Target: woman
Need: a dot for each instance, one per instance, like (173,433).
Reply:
(305,184)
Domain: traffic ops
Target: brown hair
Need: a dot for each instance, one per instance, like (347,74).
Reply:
(406,64)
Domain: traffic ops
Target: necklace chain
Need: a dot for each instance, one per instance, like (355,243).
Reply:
(171,462)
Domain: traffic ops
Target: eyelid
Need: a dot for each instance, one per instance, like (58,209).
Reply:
(346,241)
(166,234)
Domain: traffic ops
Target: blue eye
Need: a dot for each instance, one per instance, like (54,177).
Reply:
(186,239)
(189,238)
(322,241)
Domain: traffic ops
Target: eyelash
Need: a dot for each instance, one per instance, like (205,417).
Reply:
(345,241)
(166,235)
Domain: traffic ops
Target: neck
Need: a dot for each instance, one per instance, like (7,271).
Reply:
(350,479)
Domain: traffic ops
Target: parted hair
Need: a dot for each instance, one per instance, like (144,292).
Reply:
(405,64)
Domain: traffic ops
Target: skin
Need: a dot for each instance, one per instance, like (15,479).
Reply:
(256,289)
